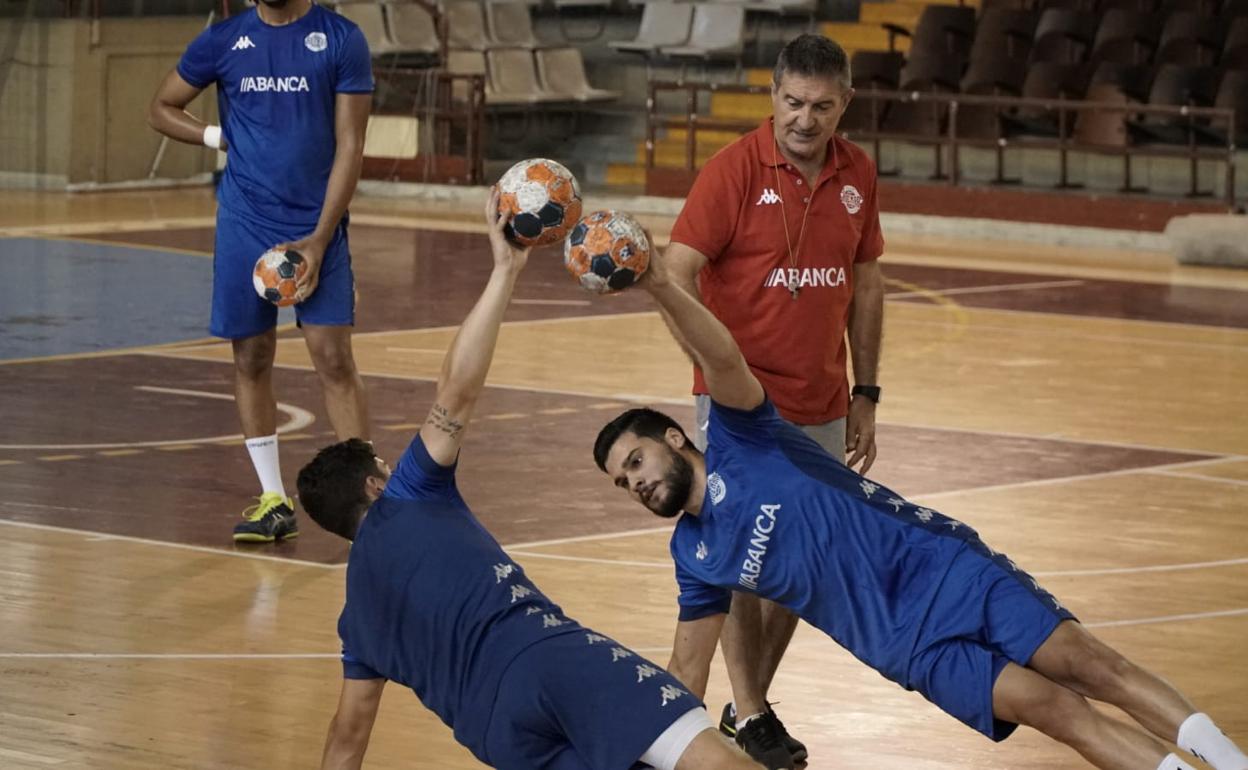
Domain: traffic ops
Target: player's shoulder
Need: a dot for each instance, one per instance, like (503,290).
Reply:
(233,24)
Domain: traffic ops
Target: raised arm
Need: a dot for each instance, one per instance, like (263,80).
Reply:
(352,725)
(706,340)
(468,359)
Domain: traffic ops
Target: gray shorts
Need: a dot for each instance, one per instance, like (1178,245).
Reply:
(829,435)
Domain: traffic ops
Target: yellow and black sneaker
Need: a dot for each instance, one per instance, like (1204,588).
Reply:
(728,721)
(271,518)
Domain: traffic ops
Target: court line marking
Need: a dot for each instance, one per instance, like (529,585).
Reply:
(227,656)
(106,536)
(986,289)
(1202,477)
(299,418)
(132,351)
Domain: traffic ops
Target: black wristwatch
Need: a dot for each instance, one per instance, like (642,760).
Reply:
(870,391)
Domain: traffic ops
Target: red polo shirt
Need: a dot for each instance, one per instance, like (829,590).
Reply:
(733,215)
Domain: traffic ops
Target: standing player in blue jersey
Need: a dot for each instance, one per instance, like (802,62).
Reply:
(434,604)
(913,594)
(294,86)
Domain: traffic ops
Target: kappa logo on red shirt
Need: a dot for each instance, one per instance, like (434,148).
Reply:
(851,198)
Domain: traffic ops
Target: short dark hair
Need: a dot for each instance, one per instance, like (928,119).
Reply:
(331,487)
(643,422)
(813,56)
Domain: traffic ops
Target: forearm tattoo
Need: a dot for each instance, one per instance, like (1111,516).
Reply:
(441,419)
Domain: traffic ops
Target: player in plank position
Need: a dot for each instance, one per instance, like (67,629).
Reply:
(912,593)
(433,603)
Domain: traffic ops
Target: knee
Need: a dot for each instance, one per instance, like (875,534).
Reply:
(335,365)
(1101,672)
(253,362)
(1058,713)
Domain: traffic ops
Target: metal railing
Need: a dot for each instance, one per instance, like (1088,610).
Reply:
(1064,141)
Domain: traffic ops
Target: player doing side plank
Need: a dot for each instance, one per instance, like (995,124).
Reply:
(434,604)
(912,593)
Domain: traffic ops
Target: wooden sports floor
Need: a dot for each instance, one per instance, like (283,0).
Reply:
(1086,412)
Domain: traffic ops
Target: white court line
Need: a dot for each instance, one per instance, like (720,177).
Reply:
(172,655)
(102,536)
(1199,477)
(299,419)
(1065,479)
(1001,287)
(564,302)
(1169,618)
(586,538)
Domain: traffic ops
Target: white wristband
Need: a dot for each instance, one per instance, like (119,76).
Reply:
(212,137)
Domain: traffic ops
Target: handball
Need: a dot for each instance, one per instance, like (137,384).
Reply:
(276,273)
(607,251)
(541,201)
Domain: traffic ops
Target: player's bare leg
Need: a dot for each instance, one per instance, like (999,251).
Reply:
(1029,698)
(1076,659)
(345,399)
(272,517)
(253,383)
(743,640)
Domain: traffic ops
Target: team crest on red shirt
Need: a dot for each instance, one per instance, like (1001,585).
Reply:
(851,198)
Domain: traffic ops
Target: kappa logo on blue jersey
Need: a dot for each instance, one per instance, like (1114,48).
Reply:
(316,42)
(719,491)
(242,43)
(700,554)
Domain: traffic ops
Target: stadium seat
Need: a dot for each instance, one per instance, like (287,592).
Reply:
(1048,80)
(1126,37)
(947,29)
(718,31)
(371,20)
(1174,86)
(412,28)
(1004,29)
(513,78)
(562,72)
(1103,128)
(463,62)
(663,23)
(989,75)
(872,70)
(510,25)
(1063,35)
(1235,49)
(1232,95)
(1191,39)
(465,21)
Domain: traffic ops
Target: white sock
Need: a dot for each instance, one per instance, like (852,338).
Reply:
(743,721)
(263,451)
(1198,735)
(1171,762)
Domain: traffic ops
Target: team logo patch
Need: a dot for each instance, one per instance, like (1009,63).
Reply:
(701,552)
(851,198)
(316,41)
(716,485)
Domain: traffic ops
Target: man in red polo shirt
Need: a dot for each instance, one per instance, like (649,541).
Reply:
(781,234)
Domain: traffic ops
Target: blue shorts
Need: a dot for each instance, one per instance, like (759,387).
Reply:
(238,312)
(986,614)
(581,702)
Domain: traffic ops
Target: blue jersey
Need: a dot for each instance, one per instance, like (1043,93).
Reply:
(784,520)
(276,88)
(434,604)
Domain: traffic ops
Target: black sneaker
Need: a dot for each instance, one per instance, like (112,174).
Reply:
(728,721)
(763,740)
(795,747)
(271,518)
